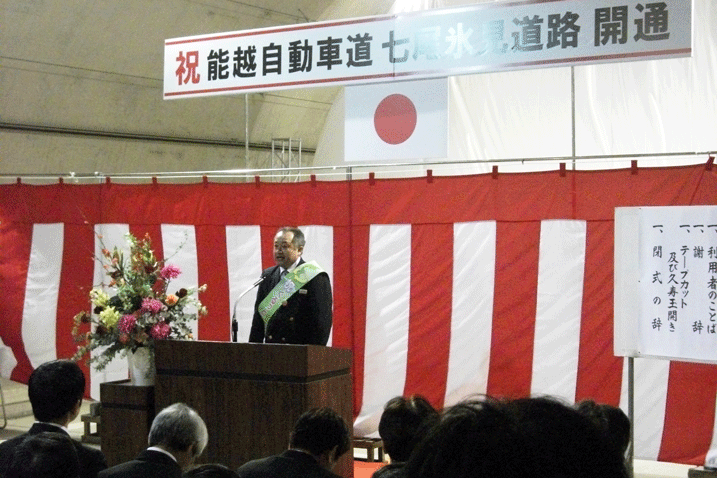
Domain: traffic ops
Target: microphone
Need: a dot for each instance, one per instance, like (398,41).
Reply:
(235,323)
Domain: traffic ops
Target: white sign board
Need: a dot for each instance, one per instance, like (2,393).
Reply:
(427,44)
(666,282)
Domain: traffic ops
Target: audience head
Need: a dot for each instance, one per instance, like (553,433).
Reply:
(45,455)
(560,441)
(179,429)
(210,470)
(323,433)
(403,424)
(612,420)
(55,390)
(473,439)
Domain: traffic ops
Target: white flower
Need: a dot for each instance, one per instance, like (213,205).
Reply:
(99,297)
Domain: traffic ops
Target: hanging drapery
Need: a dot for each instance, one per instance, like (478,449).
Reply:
(443,286)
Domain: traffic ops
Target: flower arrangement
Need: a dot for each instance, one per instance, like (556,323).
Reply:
(141,311)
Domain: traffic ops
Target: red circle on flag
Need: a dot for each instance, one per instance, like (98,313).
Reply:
(395,119)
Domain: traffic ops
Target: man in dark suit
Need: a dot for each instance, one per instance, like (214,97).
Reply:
(177,437)
(45,455)
(301,312)
(55,390)
(320,437)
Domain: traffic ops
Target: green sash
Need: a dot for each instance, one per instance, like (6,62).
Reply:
(288,286)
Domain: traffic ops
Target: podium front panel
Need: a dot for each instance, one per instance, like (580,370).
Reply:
(250,395)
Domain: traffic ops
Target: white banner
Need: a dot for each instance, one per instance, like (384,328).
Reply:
(678,282)
(432,43)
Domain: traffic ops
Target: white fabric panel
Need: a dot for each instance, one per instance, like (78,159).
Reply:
(651,378)
(561,270)
(8,362)
(652,106)
(244,267)
(179,243)
(509,114)
(320,248)
(39,313)
(387,312)
(472,309)
(108,236)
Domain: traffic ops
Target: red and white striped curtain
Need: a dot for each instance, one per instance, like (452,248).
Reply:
(444,286)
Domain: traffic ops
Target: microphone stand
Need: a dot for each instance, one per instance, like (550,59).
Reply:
(235,323)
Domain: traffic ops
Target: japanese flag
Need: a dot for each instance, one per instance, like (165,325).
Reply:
(396,121)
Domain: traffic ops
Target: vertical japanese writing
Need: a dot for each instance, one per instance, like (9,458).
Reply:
(244,62)
(654,25)
(492,36)
(427,43)
(458,41)
(300,56)
(391,44)
(187,69)
(528,38)
(272,59)
(329,52)
(360,54)
(611,25)
(563,31)
(672,282)
(711,290)
(218,65)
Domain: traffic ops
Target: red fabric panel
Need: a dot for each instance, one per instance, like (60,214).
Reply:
(599,193)
(78,258)
(213,271)
(76,204)
(269,204)
(267,246)
(429,334)
(516,279)
(359,290)
(691,392)
(510,197)
(15,244)
(599,371)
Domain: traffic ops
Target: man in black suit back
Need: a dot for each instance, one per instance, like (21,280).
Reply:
(320,437)
(177,437)
(55,390)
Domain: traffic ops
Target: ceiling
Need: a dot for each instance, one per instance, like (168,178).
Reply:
(94,67)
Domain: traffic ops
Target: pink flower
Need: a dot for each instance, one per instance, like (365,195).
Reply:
(124,338)
(170,272)
(127,323)
(151,305)
(160,330)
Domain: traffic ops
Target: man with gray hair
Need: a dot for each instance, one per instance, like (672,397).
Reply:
(177,437)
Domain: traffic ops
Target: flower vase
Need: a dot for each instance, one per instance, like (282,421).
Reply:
(141,367)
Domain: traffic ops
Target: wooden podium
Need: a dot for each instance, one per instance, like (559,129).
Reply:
(127,413)
(250,395)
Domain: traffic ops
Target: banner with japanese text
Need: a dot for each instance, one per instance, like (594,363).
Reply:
(427,44)
(678,282)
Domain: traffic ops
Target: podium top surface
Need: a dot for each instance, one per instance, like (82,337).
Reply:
(237,360)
